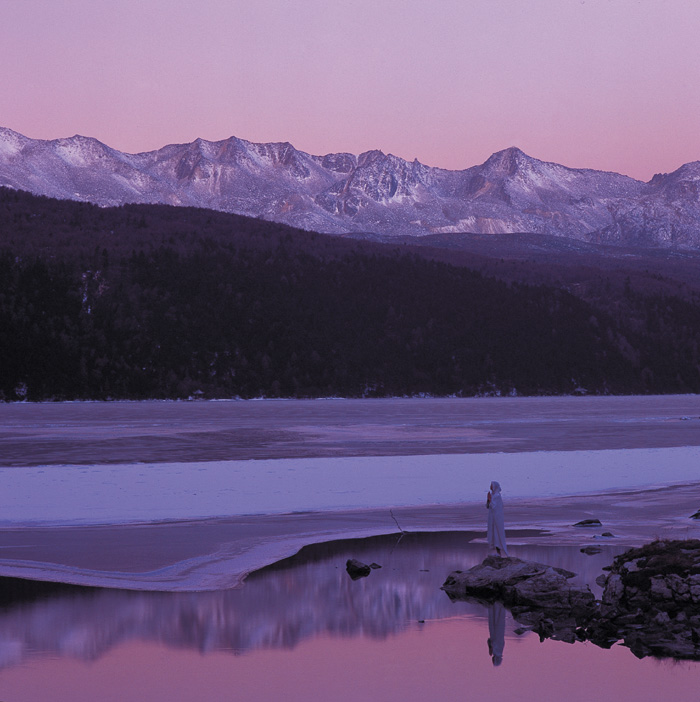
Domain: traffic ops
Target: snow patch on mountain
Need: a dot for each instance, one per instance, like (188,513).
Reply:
(11,143)
(372,193)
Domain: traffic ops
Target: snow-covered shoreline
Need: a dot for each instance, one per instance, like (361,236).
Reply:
(157,492)
(218,553)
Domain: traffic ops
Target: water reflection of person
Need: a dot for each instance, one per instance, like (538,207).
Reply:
(496,531)
(497,632)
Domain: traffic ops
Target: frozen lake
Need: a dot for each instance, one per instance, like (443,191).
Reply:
(97,463)
(147,432)
(122,493)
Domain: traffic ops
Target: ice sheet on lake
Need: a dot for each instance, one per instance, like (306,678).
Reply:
(119,493)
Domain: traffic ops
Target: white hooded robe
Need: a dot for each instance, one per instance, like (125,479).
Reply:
(496,531)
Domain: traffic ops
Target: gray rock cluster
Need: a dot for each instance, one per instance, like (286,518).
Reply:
(651,599)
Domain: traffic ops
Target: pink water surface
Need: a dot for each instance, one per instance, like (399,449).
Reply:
(432,661)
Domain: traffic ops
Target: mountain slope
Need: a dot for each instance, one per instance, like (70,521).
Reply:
(372,193)
(148,301)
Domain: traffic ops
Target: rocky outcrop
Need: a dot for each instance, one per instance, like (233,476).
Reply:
(539,596)
(651,601)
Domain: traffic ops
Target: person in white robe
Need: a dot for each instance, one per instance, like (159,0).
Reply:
(496,531)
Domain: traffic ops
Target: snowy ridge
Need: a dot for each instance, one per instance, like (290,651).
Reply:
(373,192)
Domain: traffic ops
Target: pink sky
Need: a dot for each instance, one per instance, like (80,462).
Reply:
(606,84)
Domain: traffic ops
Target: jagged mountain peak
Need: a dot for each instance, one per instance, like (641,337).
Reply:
(680,186)
(283,155)
(80,150)
(201,145)
(11,142)
(511,152)
(80,142)
(688,171)
(7,133)
(368,157)
(79,138)
(508,161)
(374,192)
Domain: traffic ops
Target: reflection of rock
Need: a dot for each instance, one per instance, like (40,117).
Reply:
(357,569)
(278,607)
(652,601)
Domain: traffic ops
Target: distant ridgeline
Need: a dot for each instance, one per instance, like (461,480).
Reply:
(150,301)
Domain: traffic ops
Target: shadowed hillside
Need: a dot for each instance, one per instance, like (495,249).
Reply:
(147,301)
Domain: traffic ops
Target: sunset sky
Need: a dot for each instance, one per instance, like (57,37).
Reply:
(606,84)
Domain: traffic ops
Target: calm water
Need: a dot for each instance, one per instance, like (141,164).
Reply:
(304,630)
(447,660)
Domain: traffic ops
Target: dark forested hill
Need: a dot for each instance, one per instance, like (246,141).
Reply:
(158,302)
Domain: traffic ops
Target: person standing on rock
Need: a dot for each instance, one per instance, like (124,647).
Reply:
(496,531)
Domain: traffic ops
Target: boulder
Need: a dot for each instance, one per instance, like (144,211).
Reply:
(523,585)
(588,523)
(357,569)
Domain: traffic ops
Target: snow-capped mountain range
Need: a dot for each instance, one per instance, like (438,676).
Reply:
(373,193)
